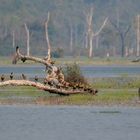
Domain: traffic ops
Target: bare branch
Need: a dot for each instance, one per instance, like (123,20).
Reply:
(28,39)
(18,56)
(101,28)
(13,38)
(127,30)
(47,37)
(119,29)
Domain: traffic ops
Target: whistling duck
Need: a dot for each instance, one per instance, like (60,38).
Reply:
(11,76)
(24,77)
(36,79)
(2,77)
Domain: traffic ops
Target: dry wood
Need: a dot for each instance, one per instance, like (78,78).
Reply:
(138,36)
(27,39)
(91,34)
(39,86)
(13,38)
(47,37)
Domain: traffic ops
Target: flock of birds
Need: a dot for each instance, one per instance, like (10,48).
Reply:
(73,86)
(11,76)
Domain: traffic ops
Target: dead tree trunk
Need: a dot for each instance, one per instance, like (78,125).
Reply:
(71,39)
(91,34)
(138,36)
(27,39)
(13,38)
(122,35)
(47,38)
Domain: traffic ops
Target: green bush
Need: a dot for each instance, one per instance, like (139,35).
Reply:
(73,74)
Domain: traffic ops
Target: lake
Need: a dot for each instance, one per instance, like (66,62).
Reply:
(88,71)
(69,123)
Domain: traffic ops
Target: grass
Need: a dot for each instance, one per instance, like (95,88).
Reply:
(29,95)
(21,91)
(116,82)
(80,60)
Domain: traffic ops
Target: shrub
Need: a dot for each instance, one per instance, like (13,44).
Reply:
(73,74)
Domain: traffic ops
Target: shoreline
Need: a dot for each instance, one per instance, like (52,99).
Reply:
(55,102)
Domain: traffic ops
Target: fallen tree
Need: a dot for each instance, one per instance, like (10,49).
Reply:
(54,81)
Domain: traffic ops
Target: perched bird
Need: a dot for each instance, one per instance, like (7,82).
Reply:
(2,77)
(11,76)
(95,92)
(36,79)
(16,56)
(52,62)
(23,59)
(50,83)
(45,81)
(24,77)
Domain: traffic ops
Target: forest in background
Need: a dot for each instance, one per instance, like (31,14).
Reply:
(68,26)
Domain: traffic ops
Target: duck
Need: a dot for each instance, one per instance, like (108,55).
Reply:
(36,79)
(11,76)
(24,76)
(2,77)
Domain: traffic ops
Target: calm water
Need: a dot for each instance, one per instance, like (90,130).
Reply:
(69,123)
(88,71)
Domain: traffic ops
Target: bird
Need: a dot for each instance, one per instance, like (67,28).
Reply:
(50,84)
(95,91)
(11,76)
(16,56)
(45,81)
(24,76)
(36,79)
(2,77)
(23,59)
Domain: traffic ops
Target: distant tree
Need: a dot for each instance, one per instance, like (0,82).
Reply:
(91,34)
(27,39)
(122,34)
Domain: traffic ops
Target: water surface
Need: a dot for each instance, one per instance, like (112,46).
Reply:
(69,123)
(88,71)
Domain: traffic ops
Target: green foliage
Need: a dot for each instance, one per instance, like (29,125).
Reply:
(73,74)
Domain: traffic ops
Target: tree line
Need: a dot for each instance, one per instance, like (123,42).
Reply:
(82,27)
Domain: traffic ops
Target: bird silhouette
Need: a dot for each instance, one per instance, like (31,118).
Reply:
(2,77)
(24,76)
(36,79)
(11,76)
(45,81)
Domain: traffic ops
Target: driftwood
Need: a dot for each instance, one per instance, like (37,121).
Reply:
(39,86)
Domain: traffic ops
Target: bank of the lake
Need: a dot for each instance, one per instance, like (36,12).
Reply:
(120,88)
(80,60)
(105,97)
